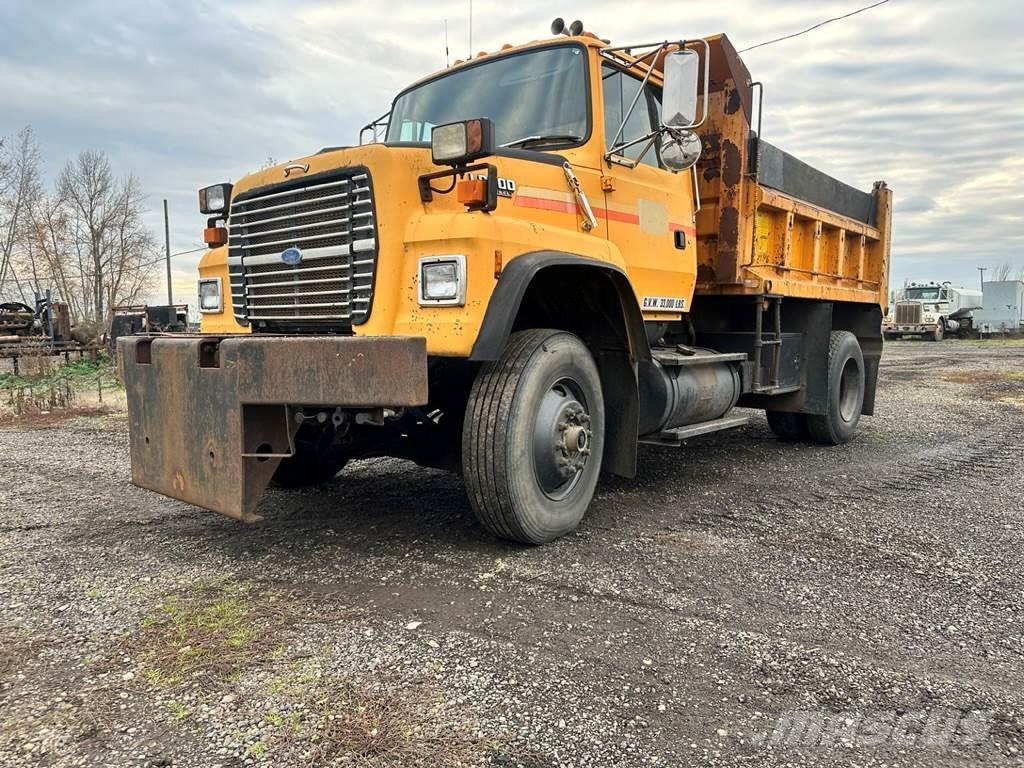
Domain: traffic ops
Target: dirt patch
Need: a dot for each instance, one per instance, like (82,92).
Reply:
(16,648)
(215,632)
(372,723)
(40,419)
(984,377)
(211,647)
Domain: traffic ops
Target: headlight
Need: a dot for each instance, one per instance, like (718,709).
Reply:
(463,142)
(209,295)
(215,199)
(443,281)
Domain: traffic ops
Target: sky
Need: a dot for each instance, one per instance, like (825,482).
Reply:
(925,94)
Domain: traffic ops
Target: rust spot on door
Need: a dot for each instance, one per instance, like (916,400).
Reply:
(732,164)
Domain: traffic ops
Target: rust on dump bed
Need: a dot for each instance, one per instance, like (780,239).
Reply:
(210,417)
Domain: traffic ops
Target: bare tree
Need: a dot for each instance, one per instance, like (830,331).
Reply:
(1020,273)
(1001,271)
(48,247)
(19,183)
(112,253)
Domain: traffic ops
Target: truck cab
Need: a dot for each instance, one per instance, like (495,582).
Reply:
(538,259)
(932,310)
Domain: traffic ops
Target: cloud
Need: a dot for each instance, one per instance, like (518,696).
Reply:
(187,93)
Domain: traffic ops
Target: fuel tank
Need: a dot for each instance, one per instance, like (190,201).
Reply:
(680,388)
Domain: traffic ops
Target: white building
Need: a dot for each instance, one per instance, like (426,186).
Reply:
(1003,302)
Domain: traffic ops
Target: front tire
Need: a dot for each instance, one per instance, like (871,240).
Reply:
(939,332)
(845,392)
(534,436)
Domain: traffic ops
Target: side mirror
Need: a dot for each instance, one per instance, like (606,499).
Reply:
(680,150)
(679,91)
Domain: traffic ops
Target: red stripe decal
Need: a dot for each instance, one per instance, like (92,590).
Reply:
(545,205)
(564,206)
(628,218)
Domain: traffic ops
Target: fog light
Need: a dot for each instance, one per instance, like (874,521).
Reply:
(215,199)
(462,142)
(443,281)
(209,295)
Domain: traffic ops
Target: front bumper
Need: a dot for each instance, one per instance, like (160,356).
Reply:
(909,329)
(209,416)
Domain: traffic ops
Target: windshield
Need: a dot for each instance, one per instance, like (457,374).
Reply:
(919,294)
(541,93)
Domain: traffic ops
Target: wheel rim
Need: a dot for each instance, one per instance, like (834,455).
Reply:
(849,390)
(562,439)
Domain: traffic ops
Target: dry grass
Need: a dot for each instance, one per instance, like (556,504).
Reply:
(213,633)
(16,648)
(46,387)
(375,723)
(37,419)
(208,638)
(984,377)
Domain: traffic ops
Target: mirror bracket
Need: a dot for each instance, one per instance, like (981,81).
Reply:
(624,56)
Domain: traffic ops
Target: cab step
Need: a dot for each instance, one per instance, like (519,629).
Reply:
(673,438)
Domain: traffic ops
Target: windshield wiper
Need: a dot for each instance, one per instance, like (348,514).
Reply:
(546,138)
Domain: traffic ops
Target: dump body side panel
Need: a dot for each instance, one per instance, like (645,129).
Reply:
(770,223)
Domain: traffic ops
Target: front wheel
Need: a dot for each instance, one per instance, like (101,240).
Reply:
(939,332)
(534,436)
(845,392)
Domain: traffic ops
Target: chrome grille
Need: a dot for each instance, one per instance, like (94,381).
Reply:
(908,313)
(330,218)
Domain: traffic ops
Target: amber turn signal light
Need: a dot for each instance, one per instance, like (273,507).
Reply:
(472,191)
(215,236)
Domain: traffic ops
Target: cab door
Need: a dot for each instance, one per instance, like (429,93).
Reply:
(649,209)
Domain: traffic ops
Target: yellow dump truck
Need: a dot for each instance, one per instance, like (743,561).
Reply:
(537,260)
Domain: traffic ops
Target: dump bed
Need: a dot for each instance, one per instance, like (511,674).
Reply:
(770,223)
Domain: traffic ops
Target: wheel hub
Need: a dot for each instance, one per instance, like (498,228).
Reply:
(562,439)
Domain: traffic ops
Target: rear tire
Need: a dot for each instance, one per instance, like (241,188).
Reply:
(790,427)
(845,392)
(534,436)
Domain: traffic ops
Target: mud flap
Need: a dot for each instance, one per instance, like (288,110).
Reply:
(210,418)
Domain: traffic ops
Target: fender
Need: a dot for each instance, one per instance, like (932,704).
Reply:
(515,280)
(617,360)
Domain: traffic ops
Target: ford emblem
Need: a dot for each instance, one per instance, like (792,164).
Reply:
(291,256)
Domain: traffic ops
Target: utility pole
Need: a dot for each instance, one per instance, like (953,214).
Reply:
(167,246)
(982,270)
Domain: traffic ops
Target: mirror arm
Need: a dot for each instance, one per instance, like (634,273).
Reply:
(617,149)
(640,92)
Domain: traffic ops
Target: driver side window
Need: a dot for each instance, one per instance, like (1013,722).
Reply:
(619,91)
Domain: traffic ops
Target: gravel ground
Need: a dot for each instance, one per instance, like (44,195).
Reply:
(743,602)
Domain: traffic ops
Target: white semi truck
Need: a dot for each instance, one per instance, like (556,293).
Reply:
(932,310)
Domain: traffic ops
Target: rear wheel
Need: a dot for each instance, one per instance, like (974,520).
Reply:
(533,437)
(791,427)
(845,392)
